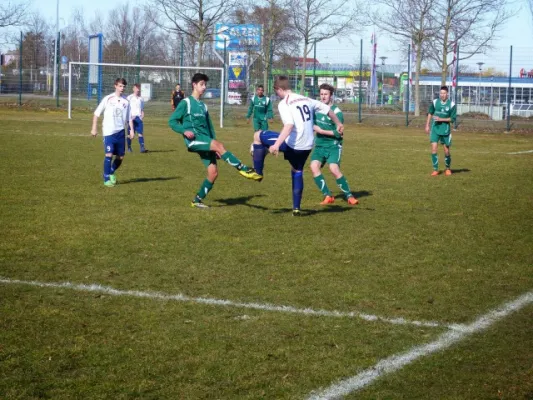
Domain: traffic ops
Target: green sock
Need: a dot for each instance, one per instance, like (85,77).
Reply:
(448,161)
(230,158)
(435,161)
(204,189)
(322,185)
(343,185)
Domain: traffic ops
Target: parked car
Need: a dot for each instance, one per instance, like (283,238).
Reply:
(211,93)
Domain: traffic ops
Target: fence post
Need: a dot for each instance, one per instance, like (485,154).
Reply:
(20,71)
(360,80)
(138,59)
(57,57)
(456,81)
(509,91)
(181,61)
(408,85)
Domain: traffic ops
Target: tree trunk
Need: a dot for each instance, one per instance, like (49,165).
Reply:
(304,66)
(417,80)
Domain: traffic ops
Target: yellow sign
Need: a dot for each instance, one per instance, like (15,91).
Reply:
(237,71)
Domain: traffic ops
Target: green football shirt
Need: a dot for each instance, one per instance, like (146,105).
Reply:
(261,107)
(441,109)
(192,115)
(325,122)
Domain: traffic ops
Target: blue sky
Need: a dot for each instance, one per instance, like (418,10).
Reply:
(518,32)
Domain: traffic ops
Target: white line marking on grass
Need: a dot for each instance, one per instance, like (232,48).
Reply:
(228,303)
(522,152)
(398,361)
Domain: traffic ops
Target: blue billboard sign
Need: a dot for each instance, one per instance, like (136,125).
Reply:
(238,37)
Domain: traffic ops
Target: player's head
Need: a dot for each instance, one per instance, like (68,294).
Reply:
(136,89)
(443,94)
(178,87)
(282,85)
(199,83)
(120,84)
(260,90)
(326,93)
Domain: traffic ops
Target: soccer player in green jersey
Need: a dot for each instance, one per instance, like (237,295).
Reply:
(191,119)
(261,108)
(442,112)
(328,149)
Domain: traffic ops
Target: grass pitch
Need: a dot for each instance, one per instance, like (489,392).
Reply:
(421,248)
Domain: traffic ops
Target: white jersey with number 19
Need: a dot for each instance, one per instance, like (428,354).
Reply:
(299,111)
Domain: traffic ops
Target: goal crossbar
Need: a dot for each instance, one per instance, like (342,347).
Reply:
(222,86)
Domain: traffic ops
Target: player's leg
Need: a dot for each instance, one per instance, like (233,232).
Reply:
(128,140)
(209,160)
(297,159)
(447,142)
(317,162)
(119,140)
(232,160)
(109,147)
(434,156)
(138,126)
(334,161)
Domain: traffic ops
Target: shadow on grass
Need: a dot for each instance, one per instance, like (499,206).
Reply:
(159,151)
(460,170)
(361,193)
(241,201)
(140,180)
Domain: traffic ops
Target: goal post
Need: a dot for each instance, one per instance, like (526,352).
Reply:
(157,83)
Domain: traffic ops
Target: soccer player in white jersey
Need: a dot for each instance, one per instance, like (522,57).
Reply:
(137,116)
(116,109)
(297,137)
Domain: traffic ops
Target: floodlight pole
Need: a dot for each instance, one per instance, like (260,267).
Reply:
(54,90)
(480,64)
(383,58)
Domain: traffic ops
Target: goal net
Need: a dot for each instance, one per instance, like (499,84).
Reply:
(88,83)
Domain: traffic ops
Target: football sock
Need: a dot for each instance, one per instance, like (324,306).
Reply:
(259,158)
(141,142)
(322,185)
(107,167)
(448,161)
(116,164)
(435,161)
(343,185)
(297,188)
(129,142)
(233,161)
(204,189)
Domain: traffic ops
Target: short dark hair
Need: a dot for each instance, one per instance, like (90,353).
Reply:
(327,86)
(444,88)
(121,80)
(260,87)
(282,82)
(199,77)
(137,85)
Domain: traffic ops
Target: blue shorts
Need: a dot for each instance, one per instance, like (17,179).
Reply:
(296,158)
(138,125)
(115,143)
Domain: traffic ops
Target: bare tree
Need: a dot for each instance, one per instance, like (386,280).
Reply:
(408,21)
(13,14)
(195,19)
(278,33)
(317,20)
(471,23)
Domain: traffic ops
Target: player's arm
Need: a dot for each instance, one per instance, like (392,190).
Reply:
(176,119)
(250,108)
(130,122)
(142,109)
(99,110)
(172,99)
(431,111)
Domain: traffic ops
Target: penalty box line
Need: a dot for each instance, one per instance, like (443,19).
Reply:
(95,288)
(398,361)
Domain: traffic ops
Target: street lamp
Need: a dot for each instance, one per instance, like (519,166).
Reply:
(382,82)
(491,99)
(480,64)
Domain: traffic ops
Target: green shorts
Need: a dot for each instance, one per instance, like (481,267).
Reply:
(330,154)
(260,125)
(202,148)
(446,140)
